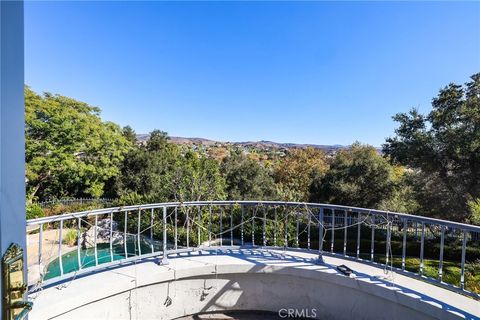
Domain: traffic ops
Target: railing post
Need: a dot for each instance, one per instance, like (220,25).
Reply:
(275,227)
(372,244)
(440,267)
(40,244)
(253,226)
(321,230)
(387,244)
(297,229)
(422,244)
(95,240)
(176,228)
(359,228)
(164,244)
(221,226)
(199,222)
(151,230)
(210,226)
(138,232)
(333,231)
(264,226)
(188,226)
(286,228)
(79,244)
(241,227)
(462,266)
(60,262)
(110,242)
(345,222)
(404,244)
(308,229)
(125,236)
(231,226)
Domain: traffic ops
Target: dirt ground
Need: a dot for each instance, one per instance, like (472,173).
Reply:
(50,241)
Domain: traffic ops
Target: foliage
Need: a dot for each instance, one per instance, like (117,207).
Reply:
(130,199)
(247,179)
(358,176)
(34,211)
(197,178)
(218,153)
(403,195)
(129,134)
(69,150)
(59,208)
(444,148)
(474,206)
(160,172)
(158,141)
(149,170)
(295,173)
(70,238)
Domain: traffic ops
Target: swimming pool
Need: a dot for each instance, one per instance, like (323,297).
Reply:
(87,256)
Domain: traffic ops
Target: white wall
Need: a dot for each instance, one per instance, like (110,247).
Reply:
(249,291)
(12,148)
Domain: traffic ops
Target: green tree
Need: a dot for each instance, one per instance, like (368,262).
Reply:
(158,140)
(149,171)
(197,178)
(443,147)
(295,173)
(247,179)
(474,206)
(358,176)
(160,172)
(129,134)
(69,151)
(403,198)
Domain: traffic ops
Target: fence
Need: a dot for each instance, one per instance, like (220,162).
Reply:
(49,203)
(65,246)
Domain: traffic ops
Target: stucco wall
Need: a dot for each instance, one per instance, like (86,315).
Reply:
(250,291)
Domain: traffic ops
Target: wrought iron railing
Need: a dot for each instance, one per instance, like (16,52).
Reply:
(442,252)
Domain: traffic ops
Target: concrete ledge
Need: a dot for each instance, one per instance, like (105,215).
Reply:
(246,279)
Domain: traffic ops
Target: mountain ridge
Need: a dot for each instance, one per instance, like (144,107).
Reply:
(142,138)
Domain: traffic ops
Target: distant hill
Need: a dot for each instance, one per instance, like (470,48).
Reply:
(263,144)
(287,145)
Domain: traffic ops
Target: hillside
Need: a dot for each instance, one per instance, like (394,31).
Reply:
(263,144)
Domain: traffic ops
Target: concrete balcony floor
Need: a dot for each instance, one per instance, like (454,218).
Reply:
(128,292)
(235,315)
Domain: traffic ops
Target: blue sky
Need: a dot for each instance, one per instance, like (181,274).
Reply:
(305,72)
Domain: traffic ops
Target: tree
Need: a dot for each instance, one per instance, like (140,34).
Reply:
(69,151)
(158,140)
(403,198)
(295,173)
(129,134)
(443,147)
(247,179)
(149,170)
(160,172)
(474,206)
(358,176)
(198,178)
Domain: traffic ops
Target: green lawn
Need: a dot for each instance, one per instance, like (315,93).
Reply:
(451,270)
(451,263)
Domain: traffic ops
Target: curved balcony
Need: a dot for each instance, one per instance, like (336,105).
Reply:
(418,265)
